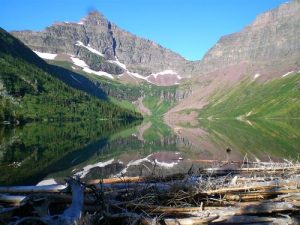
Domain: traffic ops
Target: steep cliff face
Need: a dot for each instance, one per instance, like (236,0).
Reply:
(100,47)
(266,49)
(273,37)
(144,56)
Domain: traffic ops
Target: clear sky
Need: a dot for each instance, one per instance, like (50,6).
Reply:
(188,27)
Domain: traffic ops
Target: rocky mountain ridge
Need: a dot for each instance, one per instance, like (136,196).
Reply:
(98,46)
(272,37)
(267,48)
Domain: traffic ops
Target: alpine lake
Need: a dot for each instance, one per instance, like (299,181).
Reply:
(92,150)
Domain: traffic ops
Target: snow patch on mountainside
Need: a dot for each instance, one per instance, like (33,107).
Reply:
(88,47)
(85,68)
(123,66)
(87,168)
(99,73)
(79,62)
(256,76)
(118,63)
(44,55)
(165,72)
(148,78)
(82,21)
(288,73)
(136,75)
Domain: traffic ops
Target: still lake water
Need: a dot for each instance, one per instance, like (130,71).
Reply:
(34,152)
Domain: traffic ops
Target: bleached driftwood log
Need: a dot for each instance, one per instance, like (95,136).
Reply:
(73,214)
(189,221)
(33,189)
(70,216)
(12,199)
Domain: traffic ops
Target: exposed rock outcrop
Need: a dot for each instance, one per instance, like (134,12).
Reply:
(103,46)
(273,37)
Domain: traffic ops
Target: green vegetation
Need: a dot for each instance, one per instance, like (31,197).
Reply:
(43,148)
(278,98)
(157,131)
(114,89)
(278,139)
(123,104)
(29,92)
(158,99)
(157,106)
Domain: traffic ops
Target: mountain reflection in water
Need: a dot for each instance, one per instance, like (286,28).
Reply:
(99,150)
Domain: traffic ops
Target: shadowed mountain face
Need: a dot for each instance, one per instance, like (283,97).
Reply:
(31,91)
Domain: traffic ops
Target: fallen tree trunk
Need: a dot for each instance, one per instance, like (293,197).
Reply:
(164,209)
(12,199)
(262,208)
(253,220)
(33,189)
(176,199)
(73,214)
(115,180)
(220,171)
(189,221)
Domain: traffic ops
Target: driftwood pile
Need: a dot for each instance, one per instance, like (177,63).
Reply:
(248,193)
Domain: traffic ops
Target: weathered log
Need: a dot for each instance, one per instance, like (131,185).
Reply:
(237,189)
(289,197)
(11,199)
(258,195)
(220,171)
(253,220)
(115,180)
(164,209)
(133,186)
(267,207)
(33,189)
(262,188)
(73,214)
(189,221)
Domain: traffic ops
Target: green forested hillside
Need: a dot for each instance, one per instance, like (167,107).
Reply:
(278,98)
(28,90)
(157,99)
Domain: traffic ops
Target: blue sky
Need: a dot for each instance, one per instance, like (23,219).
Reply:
(188,27)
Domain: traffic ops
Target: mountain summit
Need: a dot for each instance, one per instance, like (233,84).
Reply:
(95,18)
(100,47)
